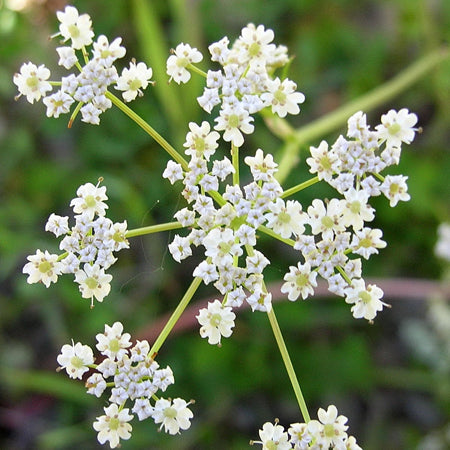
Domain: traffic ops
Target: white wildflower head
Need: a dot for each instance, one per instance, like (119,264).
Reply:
(93,282)
(134,80)
(366,301)
(90,200)
(179,61)
(216,321)
(201,142)
(77,28)
(330,430)
(113,342)
(172,415)
(397,127)
(113,425)
(106,53)
(75,359)
(42,267)
(282,97)
(273,437)
(394,187)
(234,121)
(32,82)
(300,280)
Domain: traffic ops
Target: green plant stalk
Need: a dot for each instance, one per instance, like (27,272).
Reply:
(272,233)
(285,354)
(288,364)
(366,102)
(175,316)
(153,229)
(235,159)
(300,187)
(148,129)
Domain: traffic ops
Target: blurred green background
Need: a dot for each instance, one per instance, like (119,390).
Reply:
(394,397)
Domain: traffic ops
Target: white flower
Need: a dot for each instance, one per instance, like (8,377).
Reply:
(286,218)
(67,57)
(113,426)
(356,210)
(75,27)
(207,272)
(57,225)
(90,200)
(180,248)
(173,171)
(262,167)
(134,80)
(173,416)
(394,187)
(219,50)
(58,103)
(397,127)
(42,267)
(32,81)
(220,244)
(113,343)
(142,408)
(222,168)
(254,43)
(96,384)
(216,321)
(300,437)
(326,219)
(106,53)
(183,55)
(260,301)
(273,437)
(90,114)
(201,142)
(366,301)
(282,97)
(209,99)
(365,242)
(93,282)
(234,121)
(323,162)
(331,430)
(442,249)
(299,280)
(75,359)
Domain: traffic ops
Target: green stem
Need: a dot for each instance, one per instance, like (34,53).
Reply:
(195,69)
(300,187)
(272,233)
(175,316)
(344,275)
(153,229)
(288,364)
(235,159)
(366,102)
(148,129)
(285,355)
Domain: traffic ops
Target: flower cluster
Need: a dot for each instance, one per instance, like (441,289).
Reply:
(227,231)
(244,85)
(88,246)
(89,87)
(329,432)
(136,377)
(225,214)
